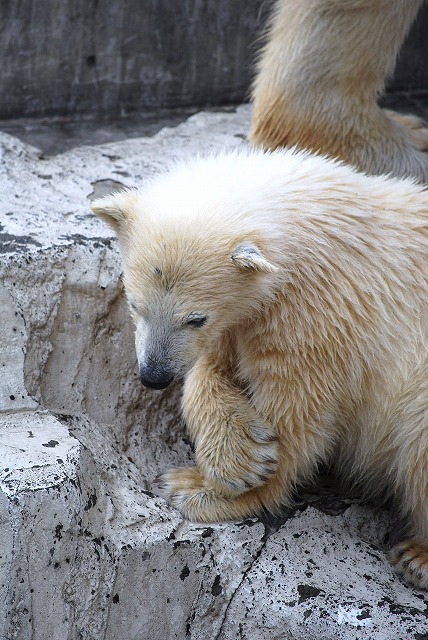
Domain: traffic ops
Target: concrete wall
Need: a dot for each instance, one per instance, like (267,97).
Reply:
(107,57)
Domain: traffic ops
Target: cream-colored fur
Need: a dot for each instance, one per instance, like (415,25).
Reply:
(319,78)
(292,294)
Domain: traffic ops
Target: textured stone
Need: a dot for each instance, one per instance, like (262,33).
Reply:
(324,577)
(109,58)
(13,394)
(87,552)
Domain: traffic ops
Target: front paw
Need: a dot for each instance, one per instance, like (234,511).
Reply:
(186,490)
(244,455)
(410,560)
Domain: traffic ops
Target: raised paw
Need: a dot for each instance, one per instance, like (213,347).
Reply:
(187,490)
(410,560)
(245,456)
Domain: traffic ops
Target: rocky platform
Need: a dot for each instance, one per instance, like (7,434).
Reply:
(86,550)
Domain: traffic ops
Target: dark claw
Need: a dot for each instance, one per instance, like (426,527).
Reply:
(159,482)
(269,471)
(397,555)
(234,485)
(260,436)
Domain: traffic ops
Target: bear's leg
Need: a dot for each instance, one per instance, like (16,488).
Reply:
(410,557)
(203,499)
(199,499)
(235,449)
(319,79)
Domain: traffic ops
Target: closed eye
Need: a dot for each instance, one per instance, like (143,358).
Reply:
(137,310)
(196,321)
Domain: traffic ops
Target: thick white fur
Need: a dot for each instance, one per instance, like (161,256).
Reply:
(314,280)
(319,79)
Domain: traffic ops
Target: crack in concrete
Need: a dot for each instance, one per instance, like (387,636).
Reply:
(244,575)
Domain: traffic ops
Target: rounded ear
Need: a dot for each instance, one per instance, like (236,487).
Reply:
(249,256)
(116,209)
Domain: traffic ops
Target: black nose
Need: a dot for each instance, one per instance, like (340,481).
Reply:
(151,384)
(155,380)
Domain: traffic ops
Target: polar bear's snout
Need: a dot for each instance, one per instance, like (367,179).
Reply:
(154,377)
(154,346)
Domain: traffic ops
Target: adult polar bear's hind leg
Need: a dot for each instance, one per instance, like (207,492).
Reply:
(319,78)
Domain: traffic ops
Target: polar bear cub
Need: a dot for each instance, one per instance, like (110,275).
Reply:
(291,293)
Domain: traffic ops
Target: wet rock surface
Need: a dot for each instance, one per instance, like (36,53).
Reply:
(86,550)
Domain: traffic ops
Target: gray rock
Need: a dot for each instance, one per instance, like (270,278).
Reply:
(86,550)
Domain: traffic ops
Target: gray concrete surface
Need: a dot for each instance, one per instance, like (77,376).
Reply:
(87,552)
(108,58)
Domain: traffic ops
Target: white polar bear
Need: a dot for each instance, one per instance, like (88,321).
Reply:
(291,292)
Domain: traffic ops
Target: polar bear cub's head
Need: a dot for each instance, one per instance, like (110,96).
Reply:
(196,264)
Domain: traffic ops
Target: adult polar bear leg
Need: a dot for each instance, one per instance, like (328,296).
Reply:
(235,449)
(319,78)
